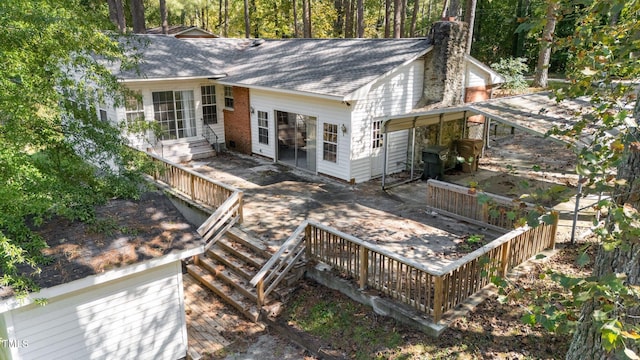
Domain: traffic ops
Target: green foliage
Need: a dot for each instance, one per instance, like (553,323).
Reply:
(57,157)
(513,70)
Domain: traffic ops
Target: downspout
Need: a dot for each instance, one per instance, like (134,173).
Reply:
(384,155)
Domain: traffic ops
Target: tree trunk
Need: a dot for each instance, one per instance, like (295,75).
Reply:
(397,14)
(116,15)
(586,343)
(247,26)
(360,10)
(296,33)
(414,18)
(544,55)
(403,17)
(387,18)
(309,16)
(137,17)
(163,17)
(306,18)
(348,19)
(226,18)
(470,19)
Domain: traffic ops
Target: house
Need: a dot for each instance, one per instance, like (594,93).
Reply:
(314,104)
(113,289)
(182,31)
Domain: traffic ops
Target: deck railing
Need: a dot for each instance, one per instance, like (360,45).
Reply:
(275,270)
(223,200)
(497,211)
(430,290)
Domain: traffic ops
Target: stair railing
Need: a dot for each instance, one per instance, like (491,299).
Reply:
(227,215)
(274,271)
(211,136)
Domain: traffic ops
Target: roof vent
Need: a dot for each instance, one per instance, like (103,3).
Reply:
(257,42)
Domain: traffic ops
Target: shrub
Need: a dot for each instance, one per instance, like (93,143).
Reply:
(513,70)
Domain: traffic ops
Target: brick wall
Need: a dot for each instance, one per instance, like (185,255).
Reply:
(473,94)
(237,122)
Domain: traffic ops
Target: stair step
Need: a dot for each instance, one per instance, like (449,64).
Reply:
(227,275)
(242,253)
(250,241)
(242,304)
(240,268)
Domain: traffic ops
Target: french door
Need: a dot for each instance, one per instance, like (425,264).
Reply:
(175,113)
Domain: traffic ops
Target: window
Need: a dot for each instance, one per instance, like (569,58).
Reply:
(175,113)
(133,109)
(228,97)
(263,127)
(376,135)
(102,107)
(209,107)
(330,142)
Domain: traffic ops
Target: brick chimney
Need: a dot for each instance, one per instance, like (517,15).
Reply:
(444,65)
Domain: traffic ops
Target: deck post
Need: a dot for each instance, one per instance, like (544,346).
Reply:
(240,211)
(192,179)
(554,229)
(504,258)
(364,267)
(260,292)
(438,297)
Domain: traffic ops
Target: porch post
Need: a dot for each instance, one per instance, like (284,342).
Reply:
(413,149)
(384,155)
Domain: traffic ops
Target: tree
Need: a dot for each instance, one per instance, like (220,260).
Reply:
(360,13)
(544,55)
(137,17)
(116,14)
(470,19)
(397,19)
(606,52)
(48,114)
(163,17)
(247,20)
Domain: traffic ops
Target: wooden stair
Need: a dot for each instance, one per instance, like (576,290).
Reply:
(183,150)
(228,267)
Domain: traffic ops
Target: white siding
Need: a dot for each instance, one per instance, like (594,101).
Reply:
(475,76)
(396,93)
(137,317)
(325,111)
(147,88)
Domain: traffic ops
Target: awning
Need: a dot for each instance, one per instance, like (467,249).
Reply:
(535,113)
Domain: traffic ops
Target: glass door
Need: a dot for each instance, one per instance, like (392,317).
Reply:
(296,140)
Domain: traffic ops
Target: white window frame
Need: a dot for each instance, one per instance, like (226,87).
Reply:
(131,113)
(330,142)
(228,97)
(263,127)
(377,137)
(209,102)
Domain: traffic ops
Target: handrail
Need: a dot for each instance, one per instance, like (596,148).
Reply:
(200,188)
(208,131)
(280,263)
(221,220)
(194,173)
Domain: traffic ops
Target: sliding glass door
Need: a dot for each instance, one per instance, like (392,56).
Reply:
(296,140)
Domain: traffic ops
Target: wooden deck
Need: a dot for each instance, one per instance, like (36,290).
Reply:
(211,324)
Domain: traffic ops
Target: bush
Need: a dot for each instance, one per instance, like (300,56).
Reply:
(513,70)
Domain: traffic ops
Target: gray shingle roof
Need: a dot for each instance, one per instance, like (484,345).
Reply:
(327,67)
(167,57)
(332,67)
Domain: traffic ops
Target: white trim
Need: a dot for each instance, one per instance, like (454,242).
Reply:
(208,77)
(281,91)
(495,77)
(62,289)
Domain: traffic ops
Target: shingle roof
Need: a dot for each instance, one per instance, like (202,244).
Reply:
(167,57)
(331,67)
